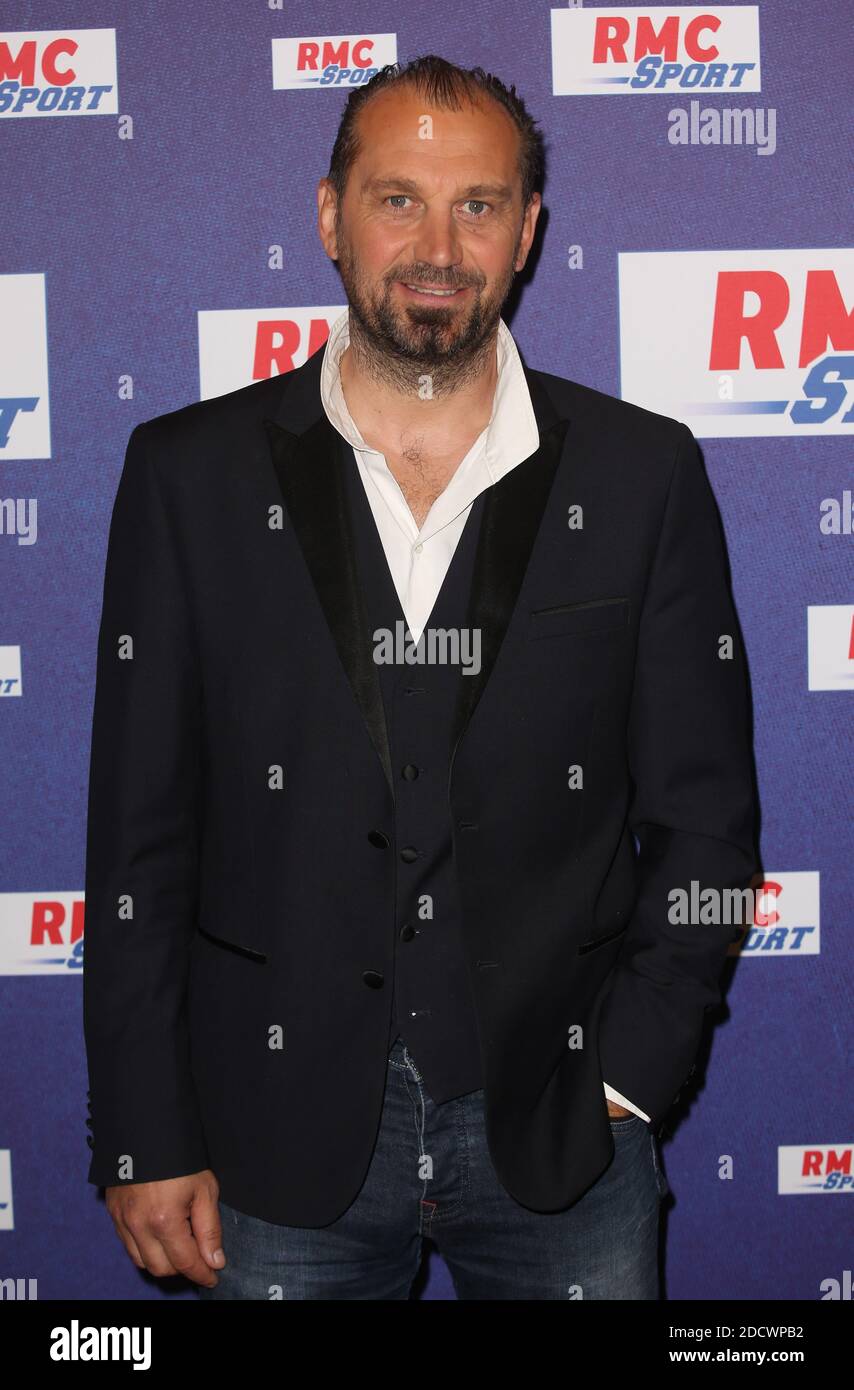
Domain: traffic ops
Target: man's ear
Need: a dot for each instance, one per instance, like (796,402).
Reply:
(327,208)
(529,228)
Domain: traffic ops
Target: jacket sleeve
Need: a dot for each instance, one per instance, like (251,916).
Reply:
(693,805)
(142,847)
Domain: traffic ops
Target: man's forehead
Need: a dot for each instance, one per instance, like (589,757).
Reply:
(405,114)
(393,133)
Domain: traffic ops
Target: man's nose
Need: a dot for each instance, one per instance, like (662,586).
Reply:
(437,241)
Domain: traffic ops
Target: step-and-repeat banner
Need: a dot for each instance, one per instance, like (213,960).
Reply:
(159,245)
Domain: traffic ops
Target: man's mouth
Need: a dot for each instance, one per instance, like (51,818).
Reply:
(434,291)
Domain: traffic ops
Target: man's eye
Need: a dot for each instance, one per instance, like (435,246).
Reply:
(394,199)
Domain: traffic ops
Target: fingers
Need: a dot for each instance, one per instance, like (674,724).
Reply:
(154,1257)
(153,1223)
(132,1219)
(206,1225)
(128,1241)
(179,1248)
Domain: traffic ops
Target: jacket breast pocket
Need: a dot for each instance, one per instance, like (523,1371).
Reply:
(592,615)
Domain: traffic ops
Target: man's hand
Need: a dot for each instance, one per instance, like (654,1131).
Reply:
(618,1112)
(171,1227)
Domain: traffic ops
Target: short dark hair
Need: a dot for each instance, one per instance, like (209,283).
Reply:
(448,86)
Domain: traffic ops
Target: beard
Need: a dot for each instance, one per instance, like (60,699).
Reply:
(398,344)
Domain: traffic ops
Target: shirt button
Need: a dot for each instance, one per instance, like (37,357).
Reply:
(409,854)
(417,549)
(407,932)
(409,772)
(378,839)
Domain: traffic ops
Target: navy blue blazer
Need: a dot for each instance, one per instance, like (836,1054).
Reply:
(240,763)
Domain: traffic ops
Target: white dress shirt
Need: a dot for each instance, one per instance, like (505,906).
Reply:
(419,558)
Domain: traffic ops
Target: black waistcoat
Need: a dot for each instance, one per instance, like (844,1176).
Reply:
(432,1009)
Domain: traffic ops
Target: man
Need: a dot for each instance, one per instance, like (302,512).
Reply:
(378,935)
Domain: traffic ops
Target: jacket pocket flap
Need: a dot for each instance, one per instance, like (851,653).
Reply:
(602,940)
(238,947)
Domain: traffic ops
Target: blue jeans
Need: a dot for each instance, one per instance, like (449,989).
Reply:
(604,1246)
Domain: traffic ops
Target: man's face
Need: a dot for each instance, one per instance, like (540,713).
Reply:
(434,199)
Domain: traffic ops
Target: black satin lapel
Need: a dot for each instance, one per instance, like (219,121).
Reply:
(309,468)
(511,518)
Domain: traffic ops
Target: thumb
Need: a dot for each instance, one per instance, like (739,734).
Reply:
(206,1226)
